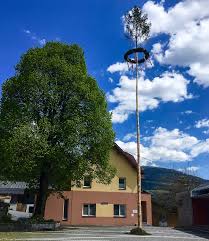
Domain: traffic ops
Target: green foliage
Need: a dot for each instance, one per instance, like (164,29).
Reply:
(136,25)
(6,219)
(34,220)
(54,120)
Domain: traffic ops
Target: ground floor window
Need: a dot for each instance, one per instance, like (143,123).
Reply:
(119,210)
(89,210)
(65,209)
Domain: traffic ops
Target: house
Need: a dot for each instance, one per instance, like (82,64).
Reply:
(99,204)
(193,207)
(20,200)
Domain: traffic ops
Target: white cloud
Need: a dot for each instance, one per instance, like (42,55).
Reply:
(168,87)
(174,139)
(27,31)
(187,25)
(177,17)
(201,147)
(189,170)
(130,147)
(42,41)
(201,73)
(34,37)
(193,168)
(110,80)
(168,146)
(202,123)
(118,67)
(188,112)
(157,50)
(129,136)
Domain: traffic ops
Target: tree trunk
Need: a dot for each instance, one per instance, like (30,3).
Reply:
(41,196)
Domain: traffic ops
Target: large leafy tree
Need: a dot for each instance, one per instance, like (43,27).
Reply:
(54,123)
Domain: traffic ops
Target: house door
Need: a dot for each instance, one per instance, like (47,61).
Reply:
(144,212)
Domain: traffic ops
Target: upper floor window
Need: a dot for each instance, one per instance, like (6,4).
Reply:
(122,183)
(89,210)
(119,210)
(87,182)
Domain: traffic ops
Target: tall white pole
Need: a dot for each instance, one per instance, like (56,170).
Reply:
(139,206)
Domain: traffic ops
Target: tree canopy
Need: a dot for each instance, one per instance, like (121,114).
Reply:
(136,25)
(54,123)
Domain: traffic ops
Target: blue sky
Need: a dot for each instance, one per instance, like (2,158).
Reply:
(173,91)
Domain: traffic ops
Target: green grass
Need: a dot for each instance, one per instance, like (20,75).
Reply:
(8,236)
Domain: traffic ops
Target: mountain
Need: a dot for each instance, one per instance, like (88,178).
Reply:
(164,184)
(157,178)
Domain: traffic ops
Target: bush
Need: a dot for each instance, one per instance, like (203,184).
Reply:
(34,220)
(138,231)
(6,219)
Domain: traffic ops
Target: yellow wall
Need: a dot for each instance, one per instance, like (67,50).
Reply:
(124,169)
(104,210)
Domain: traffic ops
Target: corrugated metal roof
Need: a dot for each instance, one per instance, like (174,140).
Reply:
(12,187)
(200,191)
(201,187)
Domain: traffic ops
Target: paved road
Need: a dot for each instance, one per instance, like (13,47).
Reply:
(104,234)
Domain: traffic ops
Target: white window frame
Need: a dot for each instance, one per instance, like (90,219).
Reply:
(120,216)
(89,215)
(122,188)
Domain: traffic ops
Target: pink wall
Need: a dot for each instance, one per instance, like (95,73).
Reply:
(54,208)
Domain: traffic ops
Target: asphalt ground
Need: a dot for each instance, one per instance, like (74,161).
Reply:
(106,234)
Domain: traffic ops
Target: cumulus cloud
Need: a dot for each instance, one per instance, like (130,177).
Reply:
(118,67)
(130,147)
(169,87)
(168,146)
(176,17)
(200,71)
(187,25)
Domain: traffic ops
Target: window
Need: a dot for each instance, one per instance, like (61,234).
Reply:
(31,209)
(119,210)
(87,182)
(122,183)
(89,210)
(65,209)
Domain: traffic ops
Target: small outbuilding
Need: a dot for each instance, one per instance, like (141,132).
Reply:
(193,207)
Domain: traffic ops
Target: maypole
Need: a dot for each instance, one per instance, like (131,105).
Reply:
(137,28)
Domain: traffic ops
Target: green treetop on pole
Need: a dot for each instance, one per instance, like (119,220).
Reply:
(136,25)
